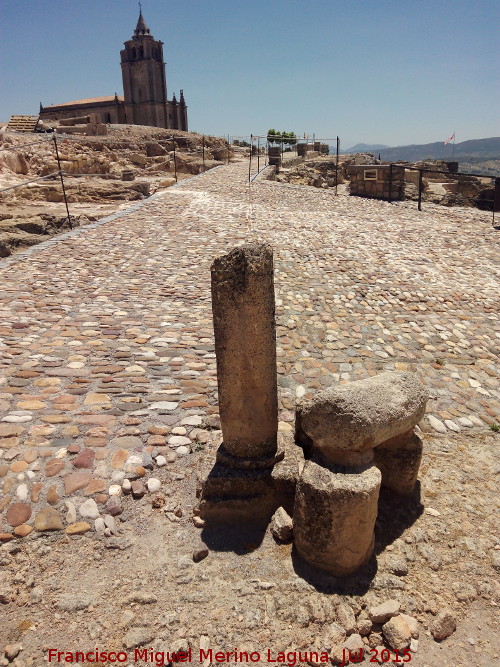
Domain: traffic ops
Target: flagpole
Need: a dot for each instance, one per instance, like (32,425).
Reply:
(453,150)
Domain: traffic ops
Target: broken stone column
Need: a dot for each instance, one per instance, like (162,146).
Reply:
(245,346)
(357,436)
(334,516)
(245,482)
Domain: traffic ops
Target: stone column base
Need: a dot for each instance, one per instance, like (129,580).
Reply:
(334,516)
(230,494)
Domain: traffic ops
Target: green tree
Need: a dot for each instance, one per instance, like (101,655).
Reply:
(273,136)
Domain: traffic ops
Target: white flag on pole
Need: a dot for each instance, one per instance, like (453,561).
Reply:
(449,139)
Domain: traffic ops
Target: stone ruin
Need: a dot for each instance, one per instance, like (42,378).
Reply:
(349,439)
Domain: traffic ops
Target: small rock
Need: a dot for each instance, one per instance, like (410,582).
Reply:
(110,523)
(178,440)
(48,519)
(182,451)
(346,618)
(85,459)
(114,506)
(161,461)
(78,528)
(399,630)
(397,565)
(72,603)
(153,485)
(17,514)
(12,651)
(99,526)
(200,552)
(138,488)
(138,637)
(193,420)
(163,405)
(115,490)
(383,612)
(282,525)
(436,424)
(89,509)
(443,625)
(334,634)
(71,513)
(126,486)
(23,530)
(364,626)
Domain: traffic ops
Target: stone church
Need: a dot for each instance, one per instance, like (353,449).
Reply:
(144,100)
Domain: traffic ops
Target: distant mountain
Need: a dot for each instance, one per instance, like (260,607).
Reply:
(487,149)
(364,148)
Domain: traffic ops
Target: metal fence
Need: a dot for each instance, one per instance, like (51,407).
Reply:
(493,202)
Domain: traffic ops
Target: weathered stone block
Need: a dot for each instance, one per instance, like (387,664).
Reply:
(334,516)
(344,423)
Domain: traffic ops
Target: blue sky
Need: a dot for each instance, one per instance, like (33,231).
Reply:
(386,71)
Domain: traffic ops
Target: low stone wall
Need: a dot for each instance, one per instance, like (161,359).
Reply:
(373,181)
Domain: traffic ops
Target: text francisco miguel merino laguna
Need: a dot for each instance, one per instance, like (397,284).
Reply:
(163,658)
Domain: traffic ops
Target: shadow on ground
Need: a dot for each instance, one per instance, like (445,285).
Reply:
(241,539)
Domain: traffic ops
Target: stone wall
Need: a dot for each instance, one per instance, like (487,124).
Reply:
(373,181)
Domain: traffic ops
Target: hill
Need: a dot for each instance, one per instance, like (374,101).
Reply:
(364,148)
(465,151)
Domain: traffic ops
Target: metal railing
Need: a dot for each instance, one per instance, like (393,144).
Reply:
(457,176)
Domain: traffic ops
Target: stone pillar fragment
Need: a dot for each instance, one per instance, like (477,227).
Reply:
(357,436)
(334,516)
(398,459)
(251,476)
(245,346)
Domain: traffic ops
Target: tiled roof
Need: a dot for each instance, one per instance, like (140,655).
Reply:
(88,100)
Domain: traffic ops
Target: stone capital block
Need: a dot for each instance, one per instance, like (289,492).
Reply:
(334,516)
(245,346)
(344,423)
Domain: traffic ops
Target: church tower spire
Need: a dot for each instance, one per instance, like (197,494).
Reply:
(141,28)
(144,81)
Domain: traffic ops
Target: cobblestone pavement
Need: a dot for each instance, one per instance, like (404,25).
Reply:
(106,344)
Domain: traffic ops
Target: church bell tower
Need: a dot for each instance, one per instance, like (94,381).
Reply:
(144,81)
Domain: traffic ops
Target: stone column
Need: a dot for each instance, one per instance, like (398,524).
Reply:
(251,476)
(334,516)
(245,346)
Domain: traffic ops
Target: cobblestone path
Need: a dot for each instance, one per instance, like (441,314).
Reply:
(106,345)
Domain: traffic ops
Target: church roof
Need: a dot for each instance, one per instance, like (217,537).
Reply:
(141,27)
(89,100)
